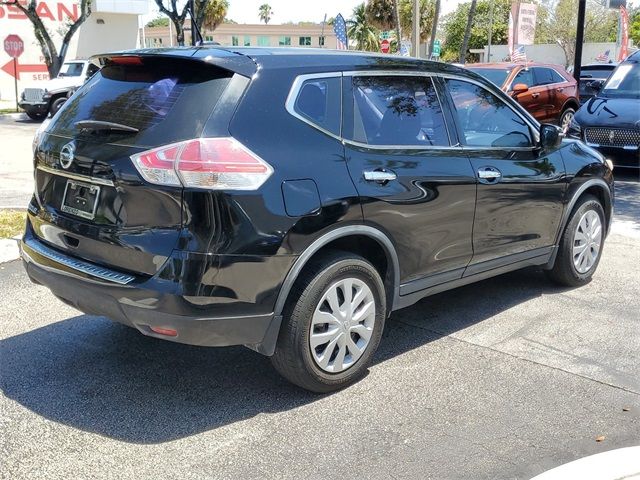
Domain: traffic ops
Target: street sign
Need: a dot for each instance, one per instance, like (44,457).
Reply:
(385,35)
(14,46)
(385,46)
(14,68)
(436,48)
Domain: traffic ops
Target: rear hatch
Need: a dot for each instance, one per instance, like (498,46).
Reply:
(90,199)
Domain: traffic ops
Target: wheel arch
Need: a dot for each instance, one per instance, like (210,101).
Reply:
(570,103)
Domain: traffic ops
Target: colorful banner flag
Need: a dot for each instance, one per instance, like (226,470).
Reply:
(340,28)
(624,25)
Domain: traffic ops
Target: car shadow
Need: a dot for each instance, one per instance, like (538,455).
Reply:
(92,374)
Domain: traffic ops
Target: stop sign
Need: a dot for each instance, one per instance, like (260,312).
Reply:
(14,46)
(385,46)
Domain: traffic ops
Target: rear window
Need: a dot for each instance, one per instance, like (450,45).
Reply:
(166,100)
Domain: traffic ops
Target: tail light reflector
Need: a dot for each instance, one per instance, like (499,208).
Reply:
(211,163)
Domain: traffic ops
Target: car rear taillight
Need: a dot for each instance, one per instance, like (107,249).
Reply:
(211,163)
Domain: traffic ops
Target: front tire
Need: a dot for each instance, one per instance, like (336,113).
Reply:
(565,119)
(56,105)
(581,244)
(332,323)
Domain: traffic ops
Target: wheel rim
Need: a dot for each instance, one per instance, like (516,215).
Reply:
(566,121)
(586,242)
(342,325)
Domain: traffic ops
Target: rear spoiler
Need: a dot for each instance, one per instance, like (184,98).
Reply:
(218,56)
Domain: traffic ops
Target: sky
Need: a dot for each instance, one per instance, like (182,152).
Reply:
(246,11)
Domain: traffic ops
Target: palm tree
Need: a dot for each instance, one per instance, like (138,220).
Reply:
(384,14)
(467,32)
(265,13)
(214,13)
(434,27)
(359,29)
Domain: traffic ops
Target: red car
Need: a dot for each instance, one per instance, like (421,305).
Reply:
(546,91)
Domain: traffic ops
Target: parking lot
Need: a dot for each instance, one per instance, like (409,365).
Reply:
(501,379)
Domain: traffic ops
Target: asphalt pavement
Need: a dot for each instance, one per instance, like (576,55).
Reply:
(501,379)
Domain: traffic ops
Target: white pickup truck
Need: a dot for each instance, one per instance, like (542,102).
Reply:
(38,102)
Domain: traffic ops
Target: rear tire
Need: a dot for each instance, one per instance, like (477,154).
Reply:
(581,244)
(332,323)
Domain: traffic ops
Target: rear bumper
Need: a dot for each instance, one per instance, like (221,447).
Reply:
(144,303)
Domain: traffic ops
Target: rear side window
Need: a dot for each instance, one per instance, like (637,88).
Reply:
(546,76)
(524,76)
(318,101)
(395,110)
(166,100)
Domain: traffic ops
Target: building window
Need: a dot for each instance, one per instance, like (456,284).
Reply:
(321,41)
(208,38)
(247,41)
(284,41)
(304,41)
(235,41)
(263,41)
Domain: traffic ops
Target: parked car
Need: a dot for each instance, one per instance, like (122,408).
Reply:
(39,102)
(592,77)
(610,121)
(291,211)
(548,92)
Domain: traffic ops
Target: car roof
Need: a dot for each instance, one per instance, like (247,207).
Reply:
(506,65)
(246,60)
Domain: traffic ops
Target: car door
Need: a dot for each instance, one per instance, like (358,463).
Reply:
(550,93)
(531,99)
(412,182)
(520,186)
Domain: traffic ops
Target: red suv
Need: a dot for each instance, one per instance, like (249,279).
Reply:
(548,92)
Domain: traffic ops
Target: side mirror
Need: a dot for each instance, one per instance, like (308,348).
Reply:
(519,88)
(596,85)
(550,135)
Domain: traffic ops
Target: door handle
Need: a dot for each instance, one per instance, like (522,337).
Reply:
(380,176)
(489,175)
(535,95)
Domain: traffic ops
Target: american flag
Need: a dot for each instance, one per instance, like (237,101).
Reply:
(603,57)
(340,27)
(518,54)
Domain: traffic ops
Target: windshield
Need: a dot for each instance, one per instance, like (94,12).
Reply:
(495,75)
(71,70)
(624,82)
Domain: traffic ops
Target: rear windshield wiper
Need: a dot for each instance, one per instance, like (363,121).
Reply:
(100,125)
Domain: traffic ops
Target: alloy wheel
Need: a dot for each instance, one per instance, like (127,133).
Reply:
(342,325)
(566,121)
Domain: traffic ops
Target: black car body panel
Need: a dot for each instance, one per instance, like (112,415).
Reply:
(610,121)
(217,265)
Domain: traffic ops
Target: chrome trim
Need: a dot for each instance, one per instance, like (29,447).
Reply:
(489,174)
(378,176)
(79,265)
(76,176)
(402,147)
(290,102)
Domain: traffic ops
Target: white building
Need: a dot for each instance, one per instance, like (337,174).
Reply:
(113,25)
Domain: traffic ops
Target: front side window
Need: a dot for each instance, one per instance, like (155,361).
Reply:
(304,41)
(523,76)
(484,119)
(71,70)
(318,101)
(394,110)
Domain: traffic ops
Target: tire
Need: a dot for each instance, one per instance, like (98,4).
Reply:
(56,105)
(572,268)
(38,117)
(318,369)
(565,119)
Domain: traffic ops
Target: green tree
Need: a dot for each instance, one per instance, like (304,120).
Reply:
(634,25)
(53,58)
(158,22)
(557,23)
(385,15)
(454,26)
(179,15)
(265,13)
(213,14)
(427,11)
(360,30)
(434,26)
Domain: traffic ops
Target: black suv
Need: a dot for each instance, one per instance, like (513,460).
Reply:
(290,200)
